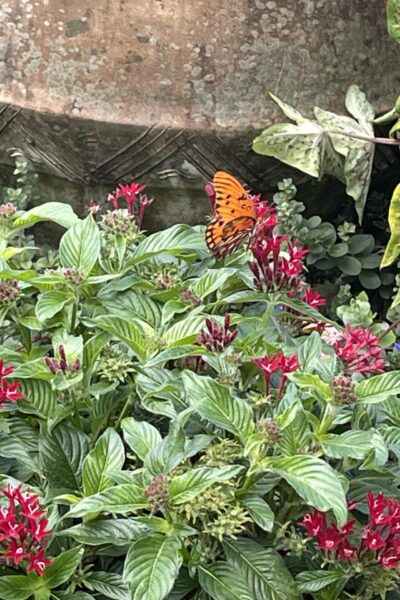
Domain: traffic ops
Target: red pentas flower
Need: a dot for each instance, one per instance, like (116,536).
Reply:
(314,299)
(360,350)
(23,530)
(135,201)
(277,363)
(375,544)
(8,391)
(278,263)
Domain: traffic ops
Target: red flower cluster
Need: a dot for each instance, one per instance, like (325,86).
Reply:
(62,364)
(274,364)
(360,350)
(313,299)
(8,391)
(278,263)
(376,544)
(216,337)
(132,196)
(23,531)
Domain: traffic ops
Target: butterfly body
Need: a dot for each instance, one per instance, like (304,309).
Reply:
(234,215)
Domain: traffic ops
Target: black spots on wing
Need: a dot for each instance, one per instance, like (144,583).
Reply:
(232,211)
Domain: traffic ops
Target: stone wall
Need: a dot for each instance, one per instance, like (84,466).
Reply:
(99,91)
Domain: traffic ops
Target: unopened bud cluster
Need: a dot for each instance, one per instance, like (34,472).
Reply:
(62,365)
(342,388)
(74,276)
(270,430)
(120,222)
(157,493)
(217,337)
(7,210)
(115,364)
(9,292)
(188,297)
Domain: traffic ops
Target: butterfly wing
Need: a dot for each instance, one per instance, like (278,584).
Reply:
(222,239)
(231,198)
(235,215)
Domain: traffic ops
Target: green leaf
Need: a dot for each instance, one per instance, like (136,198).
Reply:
(177,240)
(173,353)
(58,212)
(349,265)
(151,567)
(184,488)
(110,585)
(305,146)
(80,245)
(355,444)
(183,586)
(50,303)
(116,532)
(128,332)
(358,105)
(221,582)
(310,352)
(262,569)
(358,154)
(62,568)
(62,454)
(378,388)
(167,455)
(313,581)
(393,19)
(122,499)
(369,280)
(260,512)
(12,447)
(184,332)
(314,382)
(140,436)
(315,481)
(18,587)
(107,456)
(39,400)
(392,250)
(214,402)
(134,305)
(211,281)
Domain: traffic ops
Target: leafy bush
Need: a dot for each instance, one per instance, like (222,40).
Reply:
(172,427)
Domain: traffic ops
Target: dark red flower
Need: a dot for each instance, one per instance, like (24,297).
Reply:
(62,364)
(23,530)
(129,193)
(315,523)
(278,263)
(8,391)
(276,363)
(360,350)
(217,337)
(373,539)
(38,562)
(314,299)
(376,544)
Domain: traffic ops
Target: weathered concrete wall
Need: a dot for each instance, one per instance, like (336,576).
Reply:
(192,63)
(170,90)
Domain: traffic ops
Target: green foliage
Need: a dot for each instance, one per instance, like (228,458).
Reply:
(166,470)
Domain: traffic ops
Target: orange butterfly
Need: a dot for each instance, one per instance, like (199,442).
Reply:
(234,216)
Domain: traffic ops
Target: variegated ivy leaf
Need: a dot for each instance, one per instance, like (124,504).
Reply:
(330,145)
(305,146)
